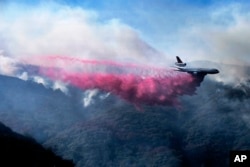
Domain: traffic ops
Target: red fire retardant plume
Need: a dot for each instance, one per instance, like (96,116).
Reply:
(154,87)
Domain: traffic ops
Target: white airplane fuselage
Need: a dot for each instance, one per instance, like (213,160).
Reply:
(195,71)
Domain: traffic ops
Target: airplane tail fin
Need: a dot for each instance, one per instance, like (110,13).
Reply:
(178,59)
(179,62)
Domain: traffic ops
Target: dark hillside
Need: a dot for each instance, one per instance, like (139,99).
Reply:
(17,150)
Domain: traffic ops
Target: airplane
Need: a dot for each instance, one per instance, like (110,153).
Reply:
(194,71)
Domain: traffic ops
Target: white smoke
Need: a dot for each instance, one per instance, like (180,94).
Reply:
(223,38)
(40,80)
(88,97)
(7,65)
(24,76)
(57,85)
(70,31)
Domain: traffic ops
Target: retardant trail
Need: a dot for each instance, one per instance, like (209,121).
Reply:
(154,87)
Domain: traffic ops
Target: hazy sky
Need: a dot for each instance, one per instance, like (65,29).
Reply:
(143,30)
